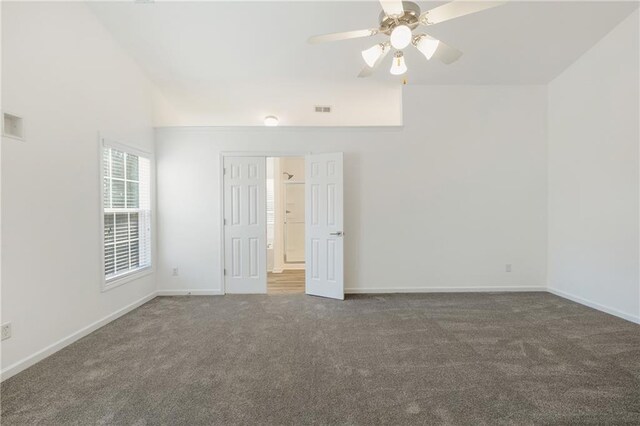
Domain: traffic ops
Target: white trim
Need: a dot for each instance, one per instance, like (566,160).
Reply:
(66,341)
(101,277)
(190,292)
(283,128)
(114,282)
(264,153)
(483,289)
(594,305)
(126,148)
(293,266)
(118,280)
(223,281)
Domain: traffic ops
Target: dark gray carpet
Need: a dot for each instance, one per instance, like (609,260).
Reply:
(502,358)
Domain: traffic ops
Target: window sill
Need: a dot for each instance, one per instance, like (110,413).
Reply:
(123,279)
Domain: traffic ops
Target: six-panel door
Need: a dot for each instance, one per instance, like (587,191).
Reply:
(245,225)
(324,225)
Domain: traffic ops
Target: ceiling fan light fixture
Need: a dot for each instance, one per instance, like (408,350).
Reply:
(271,121)
(427,45)
(398,66)
(372,54)
(400,37)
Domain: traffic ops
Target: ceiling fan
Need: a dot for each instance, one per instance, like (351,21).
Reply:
(398,20)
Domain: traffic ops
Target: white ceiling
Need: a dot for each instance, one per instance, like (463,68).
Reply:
(224,57)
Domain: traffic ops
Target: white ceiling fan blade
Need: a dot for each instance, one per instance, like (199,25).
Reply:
(342,36)
(392,7)
(368,71)
(456,9)
(446,53)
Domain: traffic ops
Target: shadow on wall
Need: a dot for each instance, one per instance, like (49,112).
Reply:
(352,212)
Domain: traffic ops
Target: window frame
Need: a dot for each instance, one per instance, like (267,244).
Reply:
(113,282)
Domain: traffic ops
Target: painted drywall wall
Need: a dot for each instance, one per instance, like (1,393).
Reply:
(442,203)
(593,175)
(65,75)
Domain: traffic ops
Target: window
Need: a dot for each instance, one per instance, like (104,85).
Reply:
(126,190)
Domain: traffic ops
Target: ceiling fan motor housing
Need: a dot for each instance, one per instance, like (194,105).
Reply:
(410,18)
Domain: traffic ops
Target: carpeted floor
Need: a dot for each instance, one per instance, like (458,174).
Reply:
(502,358)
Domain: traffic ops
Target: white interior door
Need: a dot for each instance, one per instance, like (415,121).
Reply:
(245,228)
(323,230)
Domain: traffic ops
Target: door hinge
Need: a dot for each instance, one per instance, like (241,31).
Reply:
(224,221)
(224,271)
(224,170)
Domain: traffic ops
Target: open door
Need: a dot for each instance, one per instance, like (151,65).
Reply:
(323,230)
(245,228)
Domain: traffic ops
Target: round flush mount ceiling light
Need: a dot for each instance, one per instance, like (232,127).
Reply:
(271,121)
(400,37)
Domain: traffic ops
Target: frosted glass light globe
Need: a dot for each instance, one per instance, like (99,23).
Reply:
(372,54)
(400,37)
(398,66)
(427,46)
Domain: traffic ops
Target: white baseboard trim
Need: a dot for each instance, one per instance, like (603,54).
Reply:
(594,305)
(66,341)
(491,289)
(293,266)
(190,292)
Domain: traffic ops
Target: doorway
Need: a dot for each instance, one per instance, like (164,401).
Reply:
(285,194)
(305,242)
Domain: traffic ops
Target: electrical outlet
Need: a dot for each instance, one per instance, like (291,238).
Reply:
(175,271)
(6,331)
(507,267)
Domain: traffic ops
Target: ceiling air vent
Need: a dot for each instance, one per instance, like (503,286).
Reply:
(323,108)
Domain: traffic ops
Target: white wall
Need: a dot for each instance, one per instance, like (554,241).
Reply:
(442,203)
(246,103)
(593,175)
(65,75)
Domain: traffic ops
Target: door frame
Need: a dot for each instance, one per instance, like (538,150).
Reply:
(224,154)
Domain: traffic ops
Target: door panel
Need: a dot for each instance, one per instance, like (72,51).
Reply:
(245,227)
(324,223)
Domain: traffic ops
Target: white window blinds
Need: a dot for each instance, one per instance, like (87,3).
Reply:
(126,189)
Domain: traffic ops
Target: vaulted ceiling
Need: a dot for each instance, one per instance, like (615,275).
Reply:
(226,59)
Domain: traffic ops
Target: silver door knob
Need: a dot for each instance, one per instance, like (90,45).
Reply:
(339,233)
